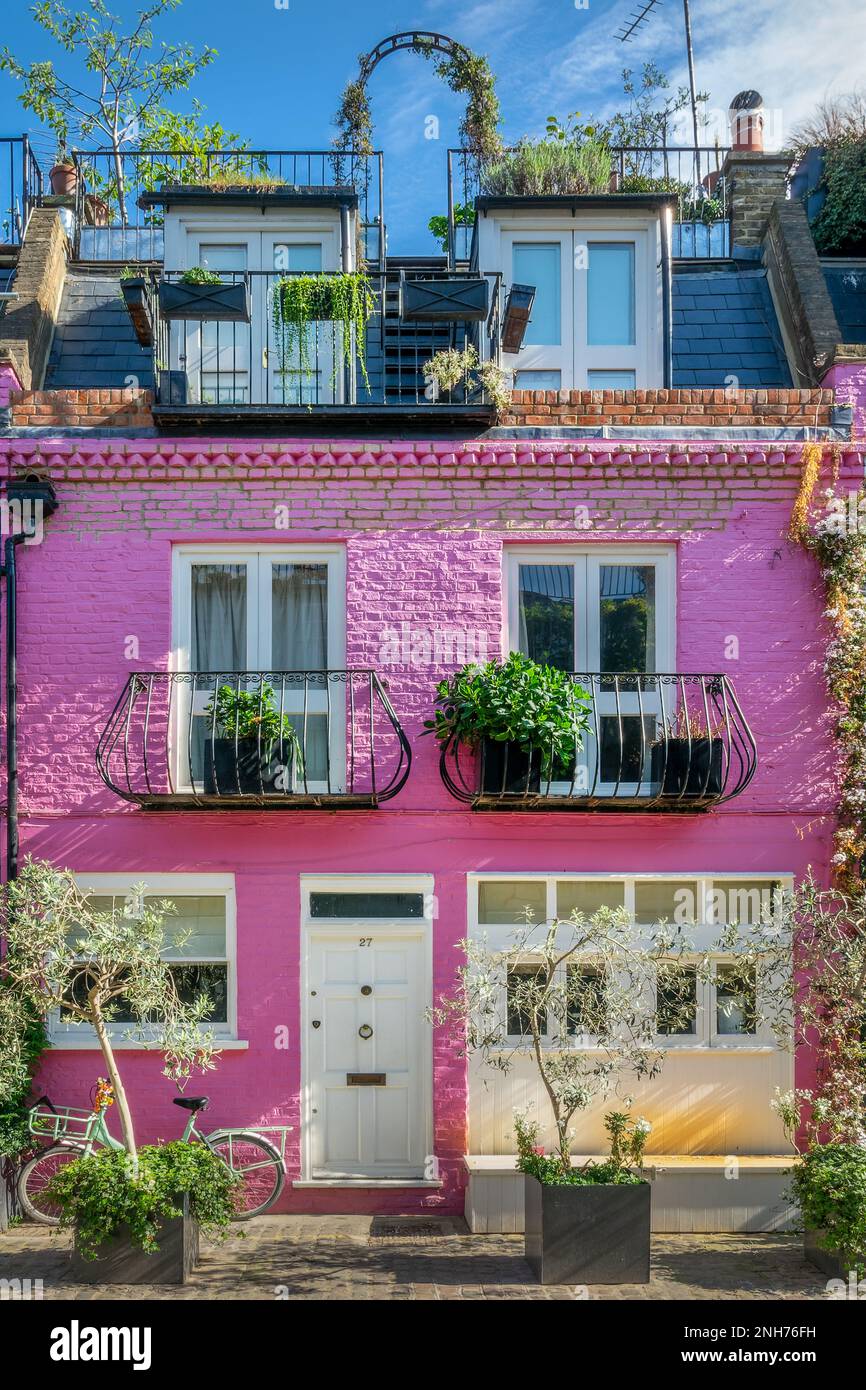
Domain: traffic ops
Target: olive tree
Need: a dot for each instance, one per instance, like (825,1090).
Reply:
(64,955)
(128,75)
(590,998)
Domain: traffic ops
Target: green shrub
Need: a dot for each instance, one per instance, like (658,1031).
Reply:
(551,1171)
(840,227)
(829,1186)
(545,167)
(98,1197)
(516,701)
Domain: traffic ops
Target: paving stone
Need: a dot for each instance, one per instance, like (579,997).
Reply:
(342,1258)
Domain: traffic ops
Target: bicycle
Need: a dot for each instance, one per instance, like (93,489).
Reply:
(254,1158)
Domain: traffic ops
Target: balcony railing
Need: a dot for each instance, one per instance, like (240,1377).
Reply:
(112,225)
(234,364)
(657,742)
(702,225)
(332,740)
(21,187)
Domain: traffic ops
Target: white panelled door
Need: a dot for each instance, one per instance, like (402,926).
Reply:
(365,1041)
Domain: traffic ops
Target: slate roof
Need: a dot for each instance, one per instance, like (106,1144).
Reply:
(724,324)
(846,283)
(94,343)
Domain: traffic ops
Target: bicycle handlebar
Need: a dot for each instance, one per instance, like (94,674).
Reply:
(43,1100)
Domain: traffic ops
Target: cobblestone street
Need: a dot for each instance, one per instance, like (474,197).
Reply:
(362,1257)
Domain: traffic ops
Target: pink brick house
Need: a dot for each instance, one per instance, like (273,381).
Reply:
(225,517)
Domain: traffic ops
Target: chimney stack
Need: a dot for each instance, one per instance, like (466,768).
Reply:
(754,179)
(746,119)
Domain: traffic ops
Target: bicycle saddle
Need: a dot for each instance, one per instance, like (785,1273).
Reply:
(192,1102)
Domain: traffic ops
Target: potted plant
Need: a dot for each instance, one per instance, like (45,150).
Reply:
(458,375)
(204,295)
(65,955)
(63,174)
(576,1209)
(575,1000)
(147,1232)
(526,720)
(251,749)
(135,290)
(464,221)
(829,1187)
(297,301)
(687,759)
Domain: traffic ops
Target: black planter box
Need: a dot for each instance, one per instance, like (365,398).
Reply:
(506,768)
(831,1262)
(597,1234)
(688,769)
(229,303)
(446,299)
(245,768)
(120,1262)
(138,307)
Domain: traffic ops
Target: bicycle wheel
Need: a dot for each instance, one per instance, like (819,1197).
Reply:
(257,1163)
(34,1178)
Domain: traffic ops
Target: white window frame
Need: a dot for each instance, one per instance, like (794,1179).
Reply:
(80,1036)
(586,563)
(705,1038)
(258,559)
(575,357)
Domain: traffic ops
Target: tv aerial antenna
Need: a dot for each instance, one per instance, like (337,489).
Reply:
(641,17)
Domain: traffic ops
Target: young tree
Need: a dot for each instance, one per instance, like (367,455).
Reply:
(129,79)
(62,954)
(621,984)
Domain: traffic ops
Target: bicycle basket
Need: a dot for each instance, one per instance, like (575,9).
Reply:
(63,1123)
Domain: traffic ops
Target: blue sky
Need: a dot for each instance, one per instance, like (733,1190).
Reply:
(280,72)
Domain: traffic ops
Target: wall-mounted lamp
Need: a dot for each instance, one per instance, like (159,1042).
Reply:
(518,309)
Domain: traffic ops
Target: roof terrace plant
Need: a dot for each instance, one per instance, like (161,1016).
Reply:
(297,301)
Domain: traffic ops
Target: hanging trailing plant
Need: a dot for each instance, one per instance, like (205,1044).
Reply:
(346,299)
(840,549)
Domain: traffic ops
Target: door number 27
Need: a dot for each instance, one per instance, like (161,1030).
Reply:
(365,941)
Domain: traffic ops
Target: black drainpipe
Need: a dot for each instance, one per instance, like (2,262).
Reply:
(667,298)
(33,493)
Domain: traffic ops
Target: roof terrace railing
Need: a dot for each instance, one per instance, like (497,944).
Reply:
(111,225)
(21,187)
(240,364)
(702,226)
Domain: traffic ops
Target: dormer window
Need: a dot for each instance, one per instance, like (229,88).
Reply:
(597,317)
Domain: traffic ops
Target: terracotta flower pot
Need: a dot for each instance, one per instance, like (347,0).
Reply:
(64,178)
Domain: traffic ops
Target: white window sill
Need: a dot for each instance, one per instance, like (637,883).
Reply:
(368,1182)
(72,1044)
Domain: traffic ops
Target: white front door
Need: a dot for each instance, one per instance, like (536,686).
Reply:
(366,1053)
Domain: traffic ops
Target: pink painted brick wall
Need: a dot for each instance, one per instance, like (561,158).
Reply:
(424,528)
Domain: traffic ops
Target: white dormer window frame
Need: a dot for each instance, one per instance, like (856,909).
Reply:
(576,362)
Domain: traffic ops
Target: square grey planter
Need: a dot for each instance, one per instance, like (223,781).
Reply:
(228,303)
(598,1234)
(447,299)
(121,1262)
(831,1262)
(135,296)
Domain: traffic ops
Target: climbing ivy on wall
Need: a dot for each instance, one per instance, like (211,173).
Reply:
(840,550)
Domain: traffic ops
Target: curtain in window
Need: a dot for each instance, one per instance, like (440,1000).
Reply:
(299,617)
(219,618)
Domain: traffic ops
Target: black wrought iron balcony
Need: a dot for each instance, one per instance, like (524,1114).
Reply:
(279,740)
(676,743)
(227,356)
